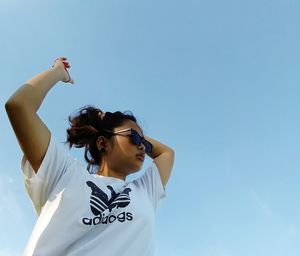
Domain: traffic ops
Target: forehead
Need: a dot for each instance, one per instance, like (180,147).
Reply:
(130,124)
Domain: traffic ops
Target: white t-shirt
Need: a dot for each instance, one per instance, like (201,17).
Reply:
(88,214)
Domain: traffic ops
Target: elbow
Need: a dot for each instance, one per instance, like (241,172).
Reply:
(168,151)
(11,105)
(10,108)
(17,100)
(12,101)
(172,155)
(171,151)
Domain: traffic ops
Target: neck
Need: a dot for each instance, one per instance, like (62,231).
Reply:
(104,170)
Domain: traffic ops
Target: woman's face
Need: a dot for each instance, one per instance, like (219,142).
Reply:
(123,152)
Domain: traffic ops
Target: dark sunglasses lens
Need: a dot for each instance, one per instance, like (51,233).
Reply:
(135,137)
(148,146)
(137,140)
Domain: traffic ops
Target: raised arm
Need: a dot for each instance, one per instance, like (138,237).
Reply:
(32,134)
(163,157)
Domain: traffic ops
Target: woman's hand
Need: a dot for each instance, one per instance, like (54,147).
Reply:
(62,65)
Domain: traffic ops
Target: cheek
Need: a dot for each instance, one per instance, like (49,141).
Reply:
(124,154)
(125,147)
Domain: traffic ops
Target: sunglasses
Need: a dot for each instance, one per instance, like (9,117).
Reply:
(136,139)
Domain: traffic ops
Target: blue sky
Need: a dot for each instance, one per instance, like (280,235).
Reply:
(218,81)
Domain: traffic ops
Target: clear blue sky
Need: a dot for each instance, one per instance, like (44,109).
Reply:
(216,80)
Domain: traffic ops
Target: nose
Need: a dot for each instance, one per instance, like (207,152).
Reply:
(142,147)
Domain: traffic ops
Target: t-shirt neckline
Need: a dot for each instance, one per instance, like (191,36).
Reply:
(109,178)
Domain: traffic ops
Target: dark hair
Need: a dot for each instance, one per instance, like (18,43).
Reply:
(87,125)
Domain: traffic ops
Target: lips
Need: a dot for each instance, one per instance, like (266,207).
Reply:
(141,156)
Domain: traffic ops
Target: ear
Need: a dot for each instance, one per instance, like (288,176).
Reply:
(101,142)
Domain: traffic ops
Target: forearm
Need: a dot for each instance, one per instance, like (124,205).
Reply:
(158,148)
(163,157)
(33,92)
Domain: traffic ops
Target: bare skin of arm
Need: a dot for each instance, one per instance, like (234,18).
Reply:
(163,157)
(32,134)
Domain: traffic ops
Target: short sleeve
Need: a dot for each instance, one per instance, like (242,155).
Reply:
(55,164)
(152,182)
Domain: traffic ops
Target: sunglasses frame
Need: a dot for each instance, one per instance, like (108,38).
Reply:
(133,135)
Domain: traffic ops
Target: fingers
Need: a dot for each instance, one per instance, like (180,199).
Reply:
(72,81)
(66,64)
(64,60)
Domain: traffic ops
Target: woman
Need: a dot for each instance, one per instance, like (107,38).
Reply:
(80,212)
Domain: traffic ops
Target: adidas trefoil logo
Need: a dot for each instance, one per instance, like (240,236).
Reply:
(100,203)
